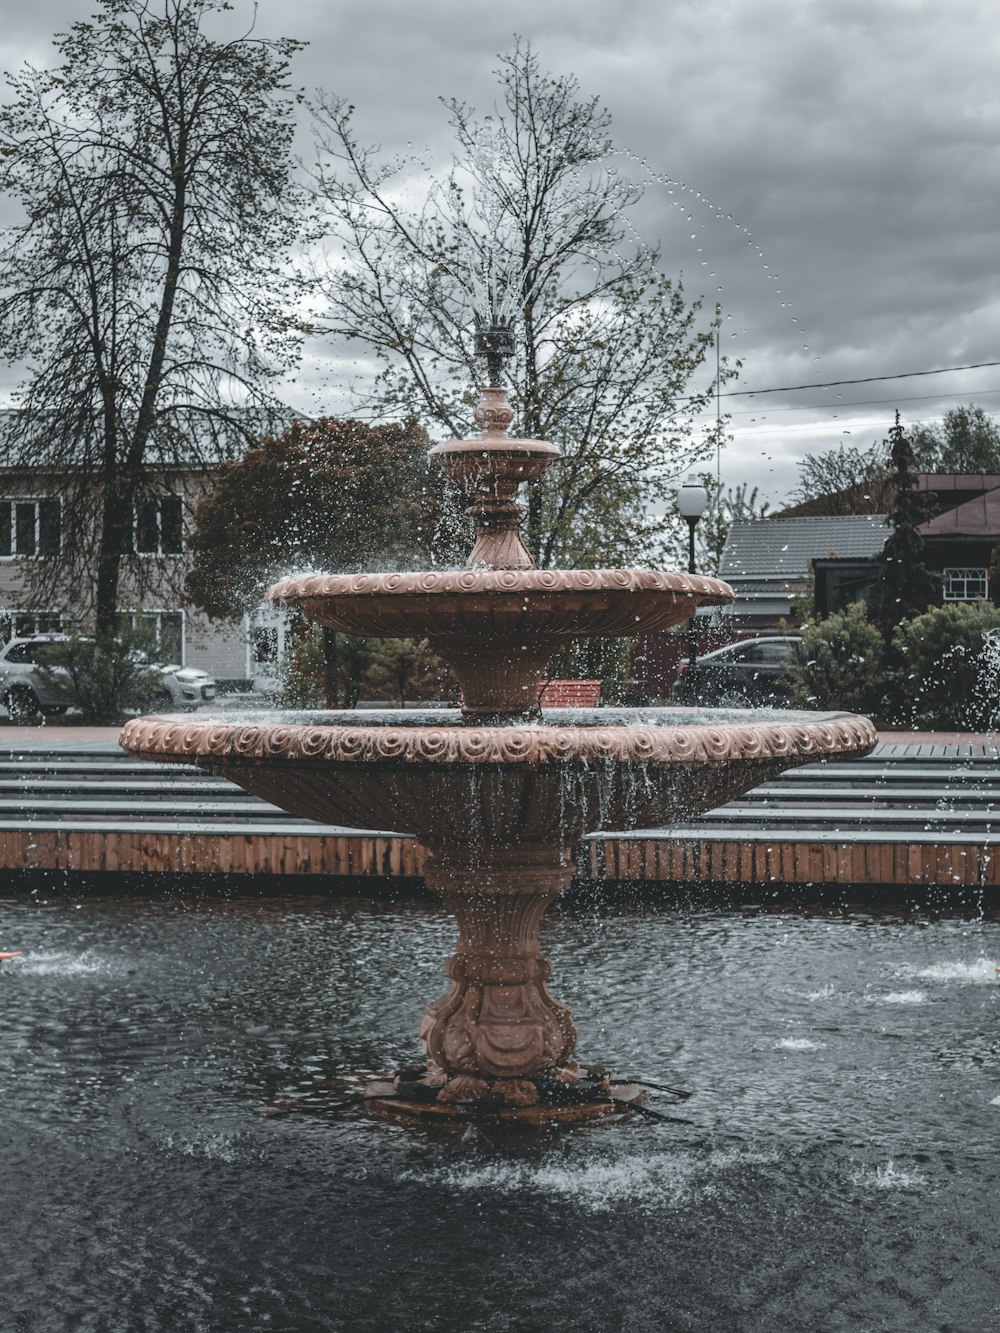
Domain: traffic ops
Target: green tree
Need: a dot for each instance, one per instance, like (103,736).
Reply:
(405,669)
(531,222)
(840,663)
(965,440)
(301,678)
(386,670)
(607,660)
(144,287)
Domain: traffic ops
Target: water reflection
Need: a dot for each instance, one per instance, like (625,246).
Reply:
(840,1171)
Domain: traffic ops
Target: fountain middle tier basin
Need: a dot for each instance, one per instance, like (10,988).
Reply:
(575,771)
(498,629)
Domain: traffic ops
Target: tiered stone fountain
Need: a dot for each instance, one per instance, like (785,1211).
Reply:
(499,794)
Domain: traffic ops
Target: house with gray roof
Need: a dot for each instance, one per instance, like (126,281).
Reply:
(769,561)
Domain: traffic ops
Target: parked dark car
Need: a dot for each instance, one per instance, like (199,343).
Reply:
(751,672)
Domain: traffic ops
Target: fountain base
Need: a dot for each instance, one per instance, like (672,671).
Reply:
(562,1096)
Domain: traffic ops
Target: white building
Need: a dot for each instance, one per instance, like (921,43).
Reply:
(48,585)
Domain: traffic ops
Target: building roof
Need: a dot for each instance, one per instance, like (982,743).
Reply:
(781,548)
(943,482)
(978,517)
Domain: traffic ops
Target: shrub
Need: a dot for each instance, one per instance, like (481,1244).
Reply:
(403,669)
(104,678)
(947,676)
(299,681)
(840,663)
(604,659)
(362,668)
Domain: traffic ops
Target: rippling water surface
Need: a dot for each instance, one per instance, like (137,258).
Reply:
(163,1165)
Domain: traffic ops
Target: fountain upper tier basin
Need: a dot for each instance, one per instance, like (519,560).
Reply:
(499,629)
(572,773)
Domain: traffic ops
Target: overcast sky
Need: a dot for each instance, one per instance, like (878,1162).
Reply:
(855,144)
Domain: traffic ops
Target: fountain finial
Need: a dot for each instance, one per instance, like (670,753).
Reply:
(492,468)
(494,342)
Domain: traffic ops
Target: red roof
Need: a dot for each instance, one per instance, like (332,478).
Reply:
(978,517)
(957,481)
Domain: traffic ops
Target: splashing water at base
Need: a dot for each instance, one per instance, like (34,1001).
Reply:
(655,1180)
(889,1176)
(49,963)
(902,997)
(978,972)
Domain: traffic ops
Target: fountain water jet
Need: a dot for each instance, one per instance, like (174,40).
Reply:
(499,795)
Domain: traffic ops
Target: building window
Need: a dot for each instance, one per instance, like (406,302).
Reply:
(30,527)
(964,585)
(159,525)
(269,642)
(165,630)
(26,624)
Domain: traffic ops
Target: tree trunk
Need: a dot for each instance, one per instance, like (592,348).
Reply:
(532,428)
(533,527)
(115,531)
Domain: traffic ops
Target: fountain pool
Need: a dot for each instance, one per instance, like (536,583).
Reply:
(163,1166)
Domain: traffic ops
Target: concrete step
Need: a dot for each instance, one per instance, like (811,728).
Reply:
(926,819)
(905,794)
(886,797)
(251,809)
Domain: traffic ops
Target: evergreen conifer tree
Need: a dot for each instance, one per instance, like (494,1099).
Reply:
(905,585)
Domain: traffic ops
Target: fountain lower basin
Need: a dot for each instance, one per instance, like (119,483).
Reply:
(572,773)
(499,629)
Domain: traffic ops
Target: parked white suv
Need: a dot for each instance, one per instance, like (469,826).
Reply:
(26,691)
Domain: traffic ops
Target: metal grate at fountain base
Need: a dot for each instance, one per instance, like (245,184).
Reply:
(558,1097)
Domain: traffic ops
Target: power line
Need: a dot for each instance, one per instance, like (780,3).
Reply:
(868,379)
(765,413)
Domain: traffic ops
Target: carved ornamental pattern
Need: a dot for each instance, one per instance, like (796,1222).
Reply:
(660,746)
(498,581)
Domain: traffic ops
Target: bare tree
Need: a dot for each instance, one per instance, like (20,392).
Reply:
(845,480)
(144,288)
(531,221)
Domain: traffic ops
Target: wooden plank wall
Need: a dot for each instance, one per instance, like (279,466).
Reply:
(201,853)
(709,861)
(720,861)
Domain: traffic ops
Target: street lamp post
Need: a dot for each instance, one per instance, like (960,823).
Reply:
(692,501)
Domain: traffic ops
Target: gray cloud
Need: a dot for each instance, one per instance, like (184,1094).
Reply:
(857,143)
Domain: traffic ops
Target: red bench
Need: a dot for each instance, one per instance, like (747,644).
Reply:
(565,694)
(570,694)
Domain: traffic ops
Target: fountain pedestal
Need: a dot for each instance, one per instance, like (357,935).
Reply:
(498,1019)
